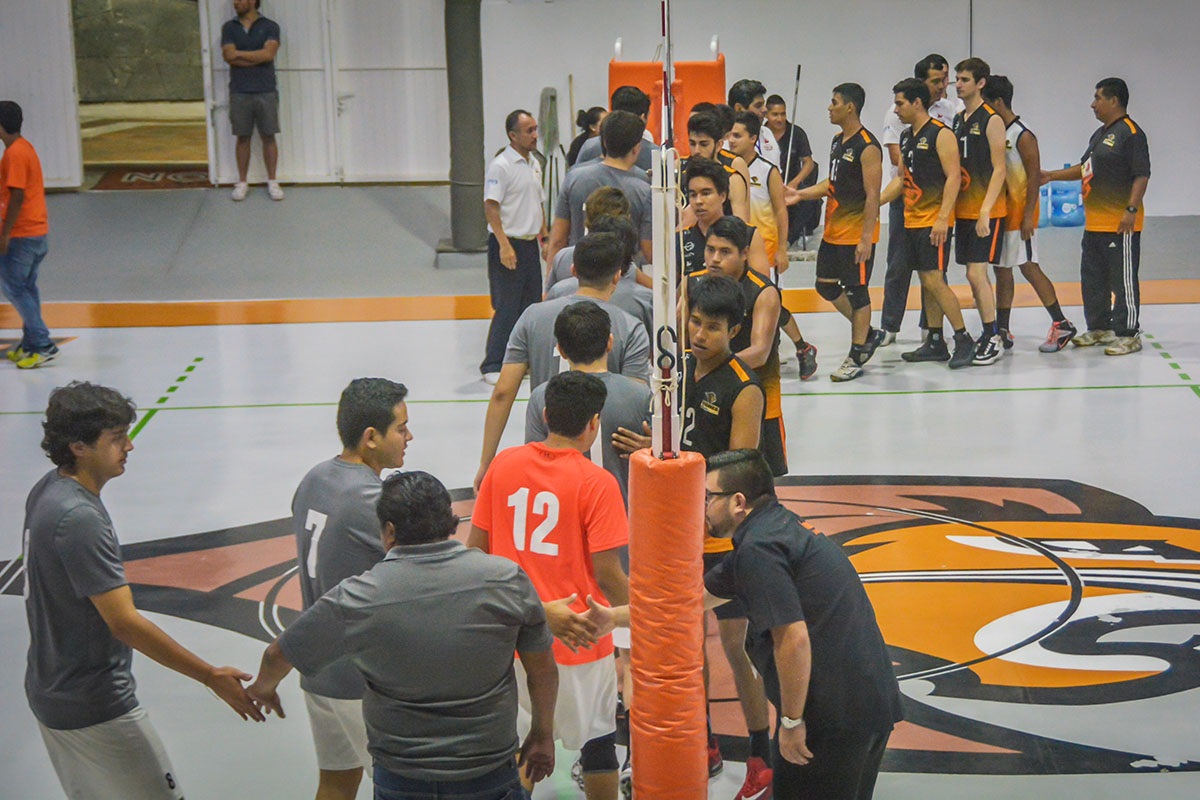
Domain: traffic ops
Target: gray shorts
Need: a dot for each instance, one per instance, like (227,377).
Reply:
(250,110)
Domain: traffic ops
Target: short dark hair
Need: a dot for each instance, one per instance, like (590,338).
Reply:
(631,99)
(744,91)
(750,121)
(732,229)
(913,89)
(587,117)
(11,117)
(1115,87)
(929,62)
(720,297)
(706,168)
(702,107)
(978,68)
(745,471)
(418,506)
(725,114)
(514,117)
(775,100)
(998,87)
(367,403)
(582,330)
(852,93)
(572,399)
(706,123)
(598,257)
(620,226)
(620,132)
(80,412)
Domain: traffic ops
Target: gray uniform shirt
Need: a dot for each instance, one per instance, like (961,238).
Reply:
(592,151)
(581,181)
(433,628)
(77,673)
(337,537)
(630,296)
(626,406)
(532,341)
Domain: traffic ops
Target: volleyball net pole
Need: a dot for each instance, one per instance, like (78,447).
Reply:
(666,513)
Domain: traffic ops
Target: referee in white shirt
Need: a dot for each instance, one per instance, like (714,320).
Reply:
(512,203)
(934,70)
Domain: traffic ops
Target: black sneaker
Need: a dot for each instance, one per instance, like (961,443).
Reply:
(874,339)
(987,350)
(1007,338)
(964,351)
(806,354)
(931,350)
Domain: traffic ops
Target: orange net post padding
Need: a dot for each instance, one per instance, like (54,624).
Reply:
(667,719)
(695,82)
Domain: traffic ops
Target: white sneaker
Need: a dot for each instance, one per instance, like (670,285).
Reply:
(239,192)
(889,338)
(1121,346)
(274,190)
(848,371)
(490,378)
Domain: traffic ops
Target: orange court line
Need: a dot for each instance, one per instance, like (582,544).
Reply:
(453,307)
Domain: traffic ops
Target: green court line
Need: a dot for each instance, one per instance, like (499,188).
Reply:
(1173,366)
(142,423)
(1184,376)
(1196,389)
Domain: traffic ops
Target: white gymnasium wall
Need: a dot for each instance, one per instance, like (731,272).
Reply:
(1054,50)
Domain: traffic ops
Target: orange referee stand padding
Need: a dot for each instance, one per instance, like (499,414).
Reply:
(695,82)
(666,722)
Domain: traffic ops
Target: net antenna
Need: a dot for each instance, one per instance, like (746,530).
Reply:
(666,370)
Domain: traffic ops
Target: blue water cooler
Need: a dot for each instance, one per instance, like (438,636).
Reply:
(1044,206)
(1066,203)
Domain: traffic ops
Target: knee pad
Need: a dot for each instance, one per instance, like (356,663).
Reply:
(830,290)
(599,754)
(859,297)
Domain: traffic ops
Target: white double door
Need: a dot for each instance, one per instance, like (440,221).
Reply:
(362,91)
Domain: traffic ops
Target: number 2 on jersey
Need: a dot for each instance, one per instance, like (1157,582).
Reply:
(543,503)
(315,522)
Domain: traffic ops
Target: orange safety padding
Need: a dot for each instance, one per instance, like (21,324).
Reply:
(667,720)
(695,82)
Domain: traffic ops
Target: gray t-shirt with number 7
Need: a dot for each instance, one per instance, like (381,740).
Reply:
(337,537)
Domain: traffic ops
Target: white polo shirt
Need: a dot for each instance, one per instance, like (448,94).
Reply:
(516,184)
(943,111)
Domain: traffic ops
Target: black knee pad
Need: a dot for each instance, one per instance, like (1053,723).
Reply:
(599,755)
(830,290)
(859,297)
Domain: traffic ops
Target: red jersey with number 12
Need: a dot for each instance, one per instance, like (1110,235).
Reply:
(549,509)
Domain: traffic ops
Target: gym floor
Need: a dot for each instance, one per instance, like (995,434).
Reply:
(1027,532)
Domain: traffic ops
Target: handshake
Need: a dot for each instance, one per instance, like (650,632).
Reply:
(582,630)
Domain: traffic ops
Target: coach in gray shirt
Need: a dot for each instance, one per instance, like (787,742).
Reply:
(337,537)
(621,133)
(432,628)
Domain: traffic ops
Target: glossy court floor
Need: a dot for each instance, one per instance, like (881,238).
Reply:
(1028,532)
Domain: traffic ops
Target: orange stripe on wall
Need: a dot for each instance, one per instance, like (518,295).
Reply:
(388,309)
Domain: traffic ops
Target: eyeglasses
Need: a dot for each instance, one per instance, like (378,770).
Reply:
(708,496)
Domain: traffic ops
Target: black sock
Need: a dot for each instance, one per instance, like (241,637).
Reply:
(858,353)
(1003,316)
(989,328)
(1056,313)
(935,335)
(960,332)
(760,744)
(708,724)
(800,343)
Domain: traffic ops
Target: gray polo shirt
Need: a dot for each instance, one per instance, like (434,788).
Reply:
(532,341)
(626,406)
(337,537)
(630,296)
(432,628)
(77,673)
(581,181)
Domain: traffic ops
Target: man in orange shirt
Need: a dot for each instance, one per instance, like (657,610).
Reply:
(546,506)
(23,230)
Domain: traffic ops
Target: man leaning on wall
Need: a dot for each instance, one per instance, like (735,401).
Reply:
(249,45)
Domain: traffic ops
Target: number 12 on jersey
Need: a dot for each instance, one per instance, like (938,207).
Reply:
(543,503)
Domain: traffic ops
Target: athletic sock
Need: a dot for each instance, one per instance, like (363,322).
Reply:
(858,353)
(989,328)
(1003,317)
(760,744)
(935,335)
(959,332)
(1056,313)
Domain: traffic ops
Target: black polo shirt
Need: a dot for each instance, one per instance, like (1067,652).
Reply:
(260,77)
(784,572)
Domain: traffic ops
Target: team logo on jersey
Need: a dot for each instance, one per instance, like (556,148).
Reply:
(1110,140)
(1039,627)
(922,144)
(709,403)
(848,157)
(974,130)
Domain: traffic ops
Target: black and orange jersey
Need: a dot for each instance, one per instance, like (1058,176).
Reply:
(976,159)
(924,179)
(729,170)
(1116,154)
(753,285)
(847,201)
(689,251)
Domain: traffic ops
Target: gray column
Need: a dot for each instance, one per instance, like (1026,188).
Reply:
(464,76)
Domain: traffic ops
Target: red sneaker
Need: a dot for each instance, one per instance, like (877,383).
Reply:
(715,762)
(758,781)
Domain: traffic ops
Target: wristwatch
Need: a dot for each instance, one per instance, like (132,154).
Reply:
(1131,209)
(790,723)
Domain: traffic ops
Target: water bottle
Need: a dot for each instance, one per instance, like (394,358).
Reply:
(1044,206)
(1066,203)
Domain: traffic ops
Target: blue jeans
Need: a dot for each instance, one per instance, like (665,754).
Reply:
(499,784)
(18,275)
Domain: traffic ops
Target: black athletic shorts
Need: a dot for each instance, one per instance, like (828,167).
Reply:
(918,253)
(836,262)
(971,248)
(733,609)
(773,444)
